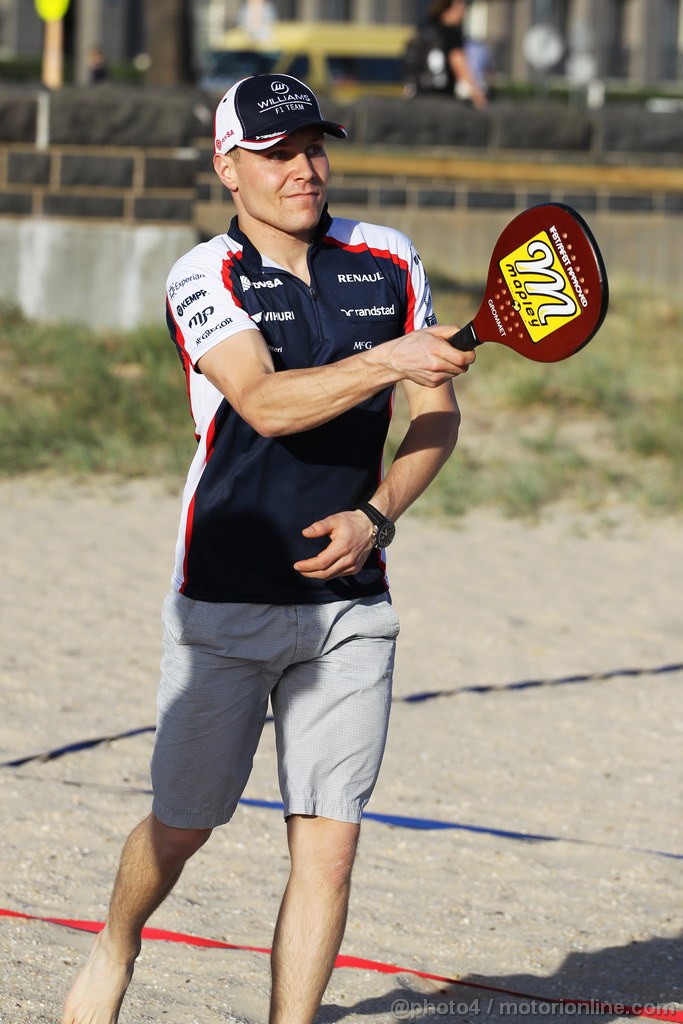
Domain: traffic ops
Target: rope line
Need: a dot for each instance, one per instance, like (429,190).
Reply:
(528,684)
(412,698)
(398,821)
(647,1010)
(76,747)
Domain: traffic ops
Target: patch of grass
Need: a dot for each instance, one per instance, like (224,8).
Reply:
(601,427)
(79,402)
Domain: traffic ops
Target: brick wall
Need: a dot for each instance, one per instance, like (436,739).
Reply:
(102,189)
(144,156)
(125,184)
(104,153)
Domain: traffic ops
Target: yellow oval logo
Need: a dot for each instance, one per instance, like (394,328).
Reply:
(540,288)
(52,10)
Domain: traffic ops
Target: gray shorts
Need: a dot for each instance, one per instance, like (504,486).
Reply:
(327,670)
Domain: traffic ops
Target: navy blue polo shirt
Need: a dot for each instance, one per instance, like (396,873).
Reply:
(247,497)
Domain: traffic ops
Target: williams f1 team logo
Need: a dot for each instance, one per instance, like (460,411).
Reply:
(541,291)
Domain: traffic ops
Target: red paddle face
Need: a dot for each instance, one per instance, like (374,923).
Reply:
(546,293)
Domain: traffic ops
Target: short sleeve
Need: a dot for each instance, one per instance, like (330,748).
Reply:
(423,305)
(202,308)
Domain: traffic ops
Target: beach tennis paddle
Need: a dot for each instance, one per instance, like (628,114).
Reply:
(546,292)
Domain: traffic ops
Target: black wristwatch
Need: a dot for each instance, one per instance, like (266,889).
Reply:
(384,531)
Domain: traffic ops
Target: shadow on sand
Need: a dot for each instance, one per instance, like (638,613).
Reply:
(641,974)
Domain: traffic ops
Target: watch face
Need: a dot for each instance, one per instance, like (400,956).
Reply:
(385,534)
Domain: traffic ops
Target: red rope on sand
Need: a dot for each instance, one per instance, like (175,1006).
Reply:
(649,1011)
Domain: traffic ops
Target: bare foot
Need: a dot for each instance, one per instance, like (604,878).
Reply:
(97,993)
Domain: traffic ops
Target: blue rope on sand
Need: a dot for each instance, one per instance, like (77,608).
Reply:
(394,820)
(412,698)
(528,684)
(74,748)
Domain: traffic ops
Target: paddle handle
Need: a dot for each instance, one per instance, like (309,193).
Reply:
(465,339)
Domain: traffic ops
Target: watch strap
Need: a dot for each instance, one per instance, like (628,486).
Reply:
(373,514)
(383,528)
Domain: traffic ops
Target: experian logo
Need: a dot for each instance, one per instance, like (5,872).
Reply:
(177,285)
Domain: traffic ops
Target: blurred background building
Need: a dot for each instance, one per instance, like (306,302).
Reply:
(102,187)
(636,43)
(640,41)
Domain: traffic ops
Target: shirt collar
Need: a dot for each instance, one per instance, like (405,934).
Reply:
(251,257)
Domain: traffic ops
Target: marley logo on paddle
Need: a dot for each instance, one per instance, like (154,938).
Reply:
(540,288)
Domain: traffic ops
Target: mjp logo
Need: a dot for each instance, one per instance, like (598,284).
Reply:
(533,274)
(199,319)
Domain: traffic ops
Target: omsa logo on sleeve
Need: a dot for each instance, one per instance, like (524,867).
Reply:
(540,289)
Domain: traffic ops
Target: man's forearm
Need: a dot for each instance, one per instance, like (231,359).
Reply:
(290,401)
(427,445)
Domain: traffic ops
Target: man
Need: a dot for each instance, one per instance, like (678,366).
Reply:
(439,61)
(293,329)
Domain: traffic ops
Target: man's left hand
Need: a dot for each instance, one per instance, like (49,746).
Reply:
(350,544)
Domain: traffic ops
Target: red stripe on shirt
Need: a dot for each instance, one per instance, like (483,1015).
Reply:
(384,254)
(411,303)
(181,345)
(226,270)
(189,521)
(179,337)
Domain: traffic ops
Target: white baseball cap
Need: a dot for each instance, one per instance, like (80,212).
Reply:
(261,110)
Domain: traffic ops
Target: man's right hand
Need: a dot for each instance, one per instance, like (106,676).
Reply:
(425,357)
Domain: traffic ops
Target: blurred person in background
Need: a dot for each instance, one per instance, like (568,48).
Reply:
(98,70)
(437,61)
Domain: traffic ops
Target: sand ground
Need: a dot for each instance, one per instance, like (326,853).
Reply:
(594,764)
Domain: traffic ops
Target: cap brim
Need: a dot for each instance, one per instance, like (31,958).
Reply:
(329,127)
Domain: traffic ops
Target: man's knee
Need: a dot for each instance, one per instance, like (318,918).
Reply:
(176,845)
(322,848)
